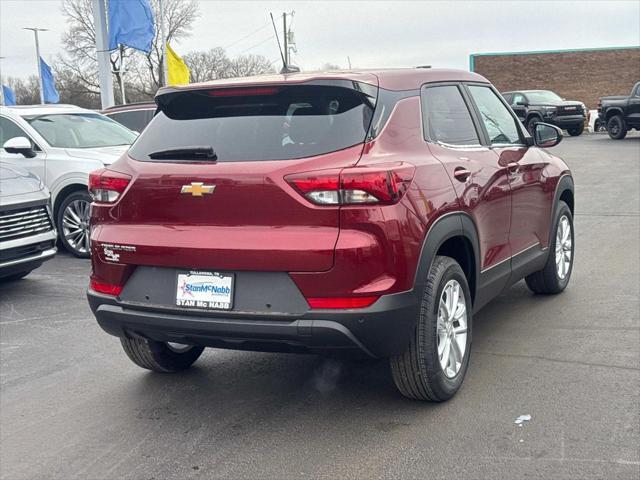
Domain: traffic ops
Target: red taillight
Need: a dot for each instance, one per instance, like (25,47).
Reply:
(384,184)
(106,288)
(341,302)
(242,92)
(105,186)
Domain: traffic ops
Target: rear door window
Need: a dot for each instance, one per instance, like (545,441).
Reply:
(258,123)
(446,116)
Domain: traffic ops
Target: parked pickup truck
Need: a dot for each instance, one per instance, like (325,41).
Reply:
(620,114)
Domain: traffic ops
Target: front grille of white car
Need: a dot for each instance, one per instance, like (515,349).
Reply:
(24,222)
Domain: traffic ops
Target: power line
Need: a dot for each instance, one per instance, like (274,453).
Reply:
(247,36)
(256,45)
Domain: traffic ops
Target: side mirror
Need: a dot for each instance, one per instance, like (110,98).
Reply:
(546,136)
(20,145)
(521,104)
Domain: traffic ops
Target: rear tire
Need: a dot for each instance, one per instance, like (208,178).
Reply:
(549,280)
(577,131)
(159,356)
(418,372)
(617,127)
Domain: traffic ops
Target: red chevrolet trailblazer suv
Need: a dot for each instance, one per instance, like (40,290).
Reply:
(370,211)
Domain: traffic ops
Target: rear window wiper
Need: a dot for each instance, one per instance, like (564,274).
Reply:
(185,153)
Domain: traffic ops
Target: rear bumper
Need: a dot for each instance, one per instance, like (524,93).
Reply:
(381,330)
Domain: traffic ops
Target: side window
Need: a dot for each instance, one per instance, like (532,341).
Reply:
(518,98)
(9,130)
(637,90)
(500,125)
(446,116)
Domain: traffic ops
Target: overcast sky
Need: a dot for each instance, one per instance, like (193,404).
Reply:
(372,33)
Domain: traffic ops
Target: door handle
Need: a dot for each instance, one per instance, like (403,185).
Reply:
(461,174)
(512,167)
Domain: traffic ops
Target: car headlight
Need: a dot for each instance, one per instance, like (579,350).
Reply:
(549,111)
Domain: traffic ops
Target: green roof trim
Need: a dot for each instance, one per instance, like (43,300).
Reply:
(537,52)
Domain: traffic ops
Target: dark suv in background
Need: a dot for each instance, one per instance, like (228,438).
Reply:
(533,106)
(134,116)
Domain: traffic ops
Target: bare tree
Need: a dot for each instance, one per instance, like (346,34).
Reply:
(144,69)
(330,67)
(249,65)
(208,65)
(25,89)
(179,16)
(215,63)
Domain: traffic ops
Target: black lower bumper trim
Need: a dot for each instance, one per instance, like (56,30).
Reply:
(378,331)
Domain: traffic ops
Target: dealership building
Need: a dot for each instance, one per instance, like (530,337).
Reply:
(584,75)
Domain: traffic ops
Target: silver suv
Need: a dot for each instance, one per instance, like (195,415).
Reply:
(27,234)
(62,144)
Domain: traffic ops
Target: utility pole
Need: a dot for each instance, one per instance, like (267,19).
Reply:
(104,57)
(35,31)
(285,34)
(165,67)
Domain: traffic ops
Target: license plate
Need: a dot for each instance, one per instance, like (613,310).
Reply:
(205,290)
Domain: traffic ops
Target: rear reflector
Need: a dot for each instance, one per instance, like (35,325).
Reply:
(105,186)
(106,288)
(385,184)
(341,302)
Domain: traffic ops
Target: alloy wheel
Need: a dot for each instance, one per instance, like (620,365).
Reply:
(452,328)
(75,225)
(564,247)
(614,127)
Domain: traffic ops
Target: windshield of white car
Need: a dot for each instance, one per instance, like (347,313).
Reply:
(80,130)
(543,96)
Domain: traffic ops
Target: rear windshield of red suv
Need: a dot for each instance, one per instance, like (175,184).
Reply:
(257,123)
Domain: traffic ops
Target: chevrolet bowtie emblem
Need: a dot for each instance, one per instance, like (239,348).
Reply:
(197,189)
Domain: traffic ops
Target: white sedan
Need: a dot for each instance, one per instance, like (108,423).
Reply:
(62,144)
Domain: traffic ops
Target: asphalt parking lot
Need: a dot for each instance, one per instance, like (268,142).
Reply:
(73,406)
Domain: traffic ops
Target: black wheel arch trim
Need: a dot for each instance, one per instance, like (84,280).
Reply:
(532,115)
(612,112)
(565,183)
(445,227)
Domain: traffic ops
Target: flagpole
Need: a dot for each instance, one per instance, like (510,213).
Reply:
(102,46)
(35,31)
(163,38)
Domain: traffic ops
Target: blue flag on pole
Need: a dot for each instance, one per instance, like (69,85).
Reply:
(48,84)
(8,97)
(131,24)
